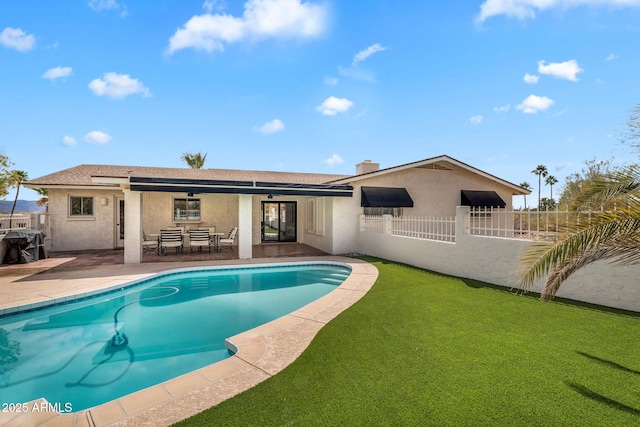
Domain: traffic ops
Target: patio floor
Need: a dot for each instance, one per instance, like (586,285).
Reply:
(116,256)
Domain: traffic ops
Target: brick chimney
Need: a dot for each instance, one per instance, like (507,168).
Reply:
(366,167)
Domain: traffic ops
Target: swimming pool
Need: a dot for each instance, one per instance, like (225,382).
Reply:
(88,352)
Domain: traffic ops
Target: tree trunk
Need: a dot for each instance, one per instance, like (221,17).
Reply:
(13,208)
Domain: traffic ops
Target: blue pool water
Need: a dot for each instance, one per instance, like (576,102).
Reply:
(95,350)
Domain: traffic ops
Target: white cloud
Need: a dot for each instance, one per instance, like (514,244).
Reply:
(523,9)
(332,106)
(212,5)
(476,120)
(562,70)
(531,79)
(273,126)
(360,114)
(357,73)
(502,109)
(612,56)
(68,140)
(117,85)
(100,5)
(97,137)
(334,160)
(15,38)
(364,54)
(57,73)
(533,103)
(330,81)
(260,19)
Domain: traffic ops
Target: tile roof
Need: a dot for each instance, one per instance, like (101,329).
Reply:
(81,175)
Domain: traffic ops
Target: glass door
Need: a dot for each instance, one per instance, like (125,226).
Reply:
(120,223)
(279,222)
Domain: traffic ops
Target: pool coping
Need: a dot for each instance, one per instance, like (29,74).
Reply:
(261,353)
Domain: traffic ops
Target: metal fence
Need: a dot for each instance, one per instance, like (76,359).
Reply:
(525,224)
(442,228)
(372,224)
(15,221)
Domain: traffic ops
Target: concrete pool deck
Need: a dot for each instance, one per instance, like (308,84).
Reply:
(261,352)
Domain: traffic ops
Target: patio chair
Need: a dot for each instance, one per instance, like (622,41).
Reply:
(229,240)
(149,244)
(171,239)
(199,238)
(181,228)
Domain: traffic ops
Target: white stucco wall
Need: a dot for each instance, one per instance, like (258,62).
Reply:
(324,242)
(346,224)
(435,192)
(220,210)
(497,260)
(80,233)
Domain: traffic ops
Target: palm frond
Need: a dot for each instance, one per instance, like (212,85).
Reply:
(562,272)
(617,229)
(615,189)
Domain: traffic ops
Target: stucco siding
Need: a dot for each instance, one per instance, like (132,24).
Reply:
(220,210)
(434,191)
(346,224)
(82,232)
(324,242)
(498,261)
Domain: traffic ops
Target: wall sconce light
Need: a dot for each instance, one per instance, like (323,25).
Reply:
(270,196)
(190,194)
(104,201)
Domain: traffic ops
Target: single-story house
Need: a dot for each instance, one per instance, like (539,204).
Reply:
(89,205)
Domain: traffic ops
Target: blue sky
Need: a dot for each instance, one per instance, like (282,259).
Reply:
(317,86)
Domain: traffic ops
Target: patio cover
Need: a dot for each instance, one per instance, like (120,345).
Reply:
(204,186)
(385,197)
(481,199)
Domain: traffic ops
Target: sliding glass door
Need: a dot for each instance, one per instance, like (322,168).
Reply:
(279,221)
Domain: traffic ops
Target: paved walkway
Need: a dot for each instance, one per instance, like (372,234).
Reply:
(261,352)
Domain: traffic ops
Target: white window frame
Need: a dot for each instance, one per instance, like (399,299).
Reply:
(315,218)
(188,217)
(383,211)
(81,214)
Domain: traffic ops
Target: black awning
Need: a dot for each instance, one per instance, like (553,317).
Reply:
(481,199)
(206,186)
(385,197)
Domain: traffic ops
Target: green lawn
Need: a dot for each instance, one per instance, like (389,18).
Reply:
(425,349)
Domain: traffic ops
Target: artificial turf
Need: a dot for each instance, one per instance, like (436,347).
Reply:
(427,349)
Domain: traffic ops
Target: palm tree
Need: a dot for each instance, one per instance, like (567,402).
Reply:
(15,179)
(613,235)
(44,197)
(526,186)
(195,161)
(540,170)
(551,181)
(5,163)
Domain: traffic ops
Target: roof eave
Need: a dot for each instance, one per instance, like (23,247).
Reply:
(517,190)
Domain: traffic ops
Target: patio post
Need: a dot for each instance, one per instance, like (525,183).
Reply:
(463,221)
(387,224)
(133,227)
(245,208)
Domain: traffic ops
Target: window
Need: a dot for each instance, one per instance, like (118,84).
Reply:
(186,209)
(383,211)
(315,216)
(80,206)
